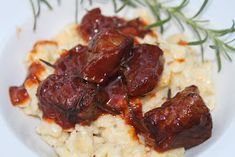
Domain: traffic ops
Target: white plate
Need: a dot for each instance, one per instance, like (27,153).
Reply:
(17,135)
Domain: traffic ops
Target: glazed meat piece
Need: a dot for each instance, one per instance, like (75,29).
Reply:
(18,95)
(114,95)
(67,100)
(143,69)
(183,121)
(94,22)
(89,24)
(98,62)
(105,53)
(72,61)
(134,115)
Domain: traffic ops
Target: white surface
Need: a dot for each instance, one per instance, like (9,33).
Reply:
(16,12)
(9,19)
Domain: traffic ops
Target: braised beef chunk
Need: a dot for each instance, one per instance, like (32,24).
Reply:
(114,95)
(94,22)
(67,100)
(90,24)
(183,121)
(105,53)
(134,115)
(72,61)
(143,69)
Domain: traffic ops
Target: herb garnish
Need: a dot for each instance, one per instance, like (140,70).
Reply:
(36,9)
(203,34)
(158,8)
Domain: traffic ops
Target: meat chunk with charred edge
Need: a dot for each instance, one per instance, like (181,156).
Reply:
(67,100)
(72,61)
(105,54)
(143,69)
(94,22)
(183,121)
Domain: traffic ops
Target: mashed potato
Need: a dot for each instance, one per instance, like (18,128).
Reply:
(110,136)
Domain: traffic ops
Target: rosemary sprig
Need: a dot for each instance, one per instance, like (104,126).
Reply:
(118,9)
(202,33)
(59,2)
(47,63)
(158,8)
(47,4)
(34,14)
(36,9)
(76,11)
